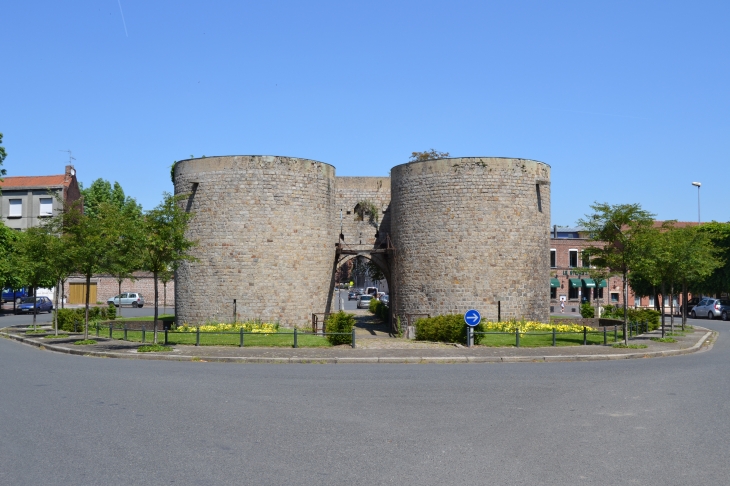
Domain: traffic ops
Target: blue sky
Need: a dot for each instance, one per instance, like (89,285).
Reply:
(627,101)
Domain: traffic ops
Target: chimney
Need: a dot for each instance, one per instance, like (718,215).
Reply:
(70,172)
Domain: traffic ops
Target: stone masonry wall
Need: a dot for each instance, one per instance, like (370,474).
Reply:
(350,191)
(266,232)
(470,232)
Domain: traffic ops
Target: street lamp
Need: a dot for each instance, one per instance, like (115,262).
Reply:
(698,184)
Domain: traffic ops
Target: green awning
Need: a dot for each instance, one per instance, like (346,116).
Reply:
(575,283)
(602,284)
(554,283)
(589,282)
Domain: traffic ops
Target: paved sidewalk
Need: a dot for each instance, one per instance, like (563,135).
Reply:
(373,349)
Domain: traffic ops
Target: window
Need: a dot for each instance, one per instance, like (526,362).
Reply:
(637,301)
(16,208)
(46,206)
(573,293)
(598,293)
(539,199)
(651,301)
(553,293)
(573,258)
(553,258)
(614,297)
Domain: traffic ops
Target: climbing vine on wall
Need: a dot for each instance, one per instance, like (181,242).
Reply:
(366,210)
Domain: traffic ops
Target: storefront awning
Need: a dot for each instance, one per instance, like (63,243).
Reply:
(575,282)
(554,283)
(602,284)
(589,283)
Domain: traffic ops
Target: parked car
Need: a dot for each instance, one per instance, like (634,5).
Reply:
(128,298)
(691,303)
(9,295)
(42,304)
(385,299)
(712,308)
(363,301)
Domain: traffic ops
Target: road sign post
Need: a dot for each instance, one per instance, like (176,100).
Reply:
(472,318)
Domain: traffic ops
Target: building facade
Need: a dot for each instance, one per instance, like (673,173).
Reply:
(27,200)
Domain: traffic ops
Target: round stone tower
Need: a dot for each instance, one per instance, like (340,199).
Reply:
(471,233)
(265,228)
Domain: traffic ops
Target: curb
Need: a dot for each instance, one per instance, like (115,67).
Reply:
(366,360)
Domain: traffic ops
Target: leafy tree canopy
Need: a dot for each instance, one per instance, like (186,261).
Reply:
(3,154)
(427,155)
(102,191)
(719,280)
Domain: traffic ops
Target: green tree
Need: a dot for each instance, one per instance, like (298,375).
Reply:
(165,242)
(10,276)
(3,154)
(719,280)
(619,228)
(88,241)
(34,258)
(427,155)
(102,191)
(126,250)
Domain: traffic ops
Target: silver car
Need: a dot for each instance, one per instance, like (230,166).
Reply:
(128,298)
(712,308)
(363,301)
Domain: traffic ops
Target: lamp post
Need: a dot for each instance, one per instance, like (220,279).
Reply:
(698,184)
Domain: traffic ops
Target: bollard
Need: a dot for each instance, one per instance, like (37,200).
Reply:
(353,337)
(197,336)
(584,336)
(165,337)
(295,338)
(240,343)
(553,336)
(517,337)
(605,338)
(125,333)
(110,331)
(615,333)
(143,334)
(97,328)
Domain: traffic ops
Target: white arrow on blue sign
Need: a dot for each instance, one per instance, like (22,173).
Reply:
(472,317)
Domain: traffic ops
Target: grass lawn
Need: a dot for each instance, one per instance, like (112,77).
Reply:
(280,339)
(535,340)
(161,317)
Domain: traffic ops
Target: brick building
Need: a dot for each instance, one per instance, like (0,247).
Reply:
(569,279)
(104,287)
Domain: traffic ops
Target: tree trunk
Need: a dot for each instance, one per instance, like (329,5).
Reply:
(671,307)
(664,297)
(35,306)
(626,297)
(684,303)
(154,321)
(86,315)
(120,297)
(55,311)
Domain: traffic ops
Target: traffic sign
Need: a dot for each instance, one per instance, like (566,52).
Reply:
(472,317)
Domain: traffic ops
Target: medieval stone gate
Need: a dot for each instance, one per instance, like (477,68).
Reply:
(449,234)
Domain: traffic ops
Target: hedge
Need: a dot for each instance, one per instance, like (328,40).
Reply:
(340,322)
(449,328)
(379,309)
(72,320)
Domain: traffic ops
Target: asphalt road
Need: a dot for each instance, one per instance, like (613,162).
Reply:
(78,420)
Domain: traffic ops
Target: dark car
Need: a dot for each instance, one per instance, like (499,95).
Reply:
(691,303)
(351,295)
(43,304)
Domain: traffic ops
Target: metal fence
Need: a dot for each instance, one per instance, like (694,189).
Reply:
(240,338)
(633,329)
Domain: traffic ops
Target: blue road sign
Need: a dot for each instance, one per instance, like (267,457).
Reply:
(472,317)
